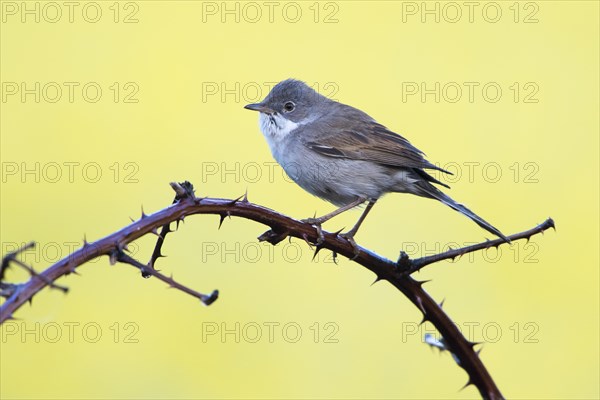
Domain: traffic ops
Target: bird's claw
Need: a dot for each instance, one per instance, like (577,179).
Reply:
(350,238)
(316,223)
(312,221)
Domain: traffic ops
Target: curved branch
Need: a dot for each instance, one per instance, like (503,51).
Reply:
(281,227)
(411,266)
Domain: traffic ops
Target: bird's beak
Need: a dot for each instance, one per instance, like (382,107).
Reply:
(259,107)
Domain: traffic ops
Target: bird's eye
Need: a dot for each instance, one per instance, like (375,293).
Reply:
(289,106)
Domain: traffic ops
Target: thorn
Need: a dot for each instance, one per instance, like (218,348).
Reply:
(222,218)
(425,319)
(232,202)
(85,242)
(469,382)
(171,283)
(337,233)
(335,260)
(245,198)
(421,283)
(131,219)
(442,302)
(143,213)
(317,249)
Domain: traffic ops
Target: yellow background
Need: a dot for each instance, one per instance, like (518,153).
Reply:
(542,298)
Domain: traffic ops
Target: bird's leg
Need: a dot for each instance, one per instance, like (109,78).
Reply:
(332,214)
(349,236)
(316,222)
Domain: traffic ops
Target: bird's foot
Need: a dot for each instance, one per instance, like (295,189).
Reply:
(316,223)
(349,236)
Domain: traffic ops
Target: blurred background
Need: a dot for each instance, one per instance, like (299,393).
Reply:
(105,103)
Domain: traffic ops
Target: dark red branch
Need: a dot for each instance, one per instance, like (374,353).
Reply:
(206,299)
(411,266)
(8,289)
(281,227)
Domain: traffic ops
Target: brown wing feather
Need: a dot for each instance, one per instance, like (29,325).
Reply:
(357,136)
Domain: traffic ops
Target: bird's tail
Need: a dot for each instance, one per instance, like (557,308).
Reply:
(428,190)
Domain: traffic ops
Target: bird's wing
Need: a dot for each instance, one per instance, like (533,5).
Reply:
(357,136)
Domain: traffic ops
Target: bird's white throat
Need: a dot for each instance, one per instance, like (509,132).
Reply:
(275,127)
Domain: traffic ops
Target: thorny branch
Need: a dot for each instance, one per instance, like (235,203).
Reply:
(8,289)
(186,203)
(411,266)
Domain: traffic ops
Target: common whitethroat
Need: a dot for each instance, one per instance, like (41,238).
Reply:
(344,156)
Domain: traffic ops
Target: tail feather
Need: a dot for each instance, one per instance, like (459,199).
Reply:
(432,192)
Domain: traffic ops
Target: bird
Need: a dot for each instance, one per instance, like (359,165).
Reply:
(342,155)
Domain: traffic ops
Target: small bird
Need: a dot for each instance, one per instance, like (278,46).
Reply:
(344,156)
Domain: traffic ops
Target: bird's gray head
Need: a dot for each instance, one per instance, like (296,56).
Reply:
(292,100)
